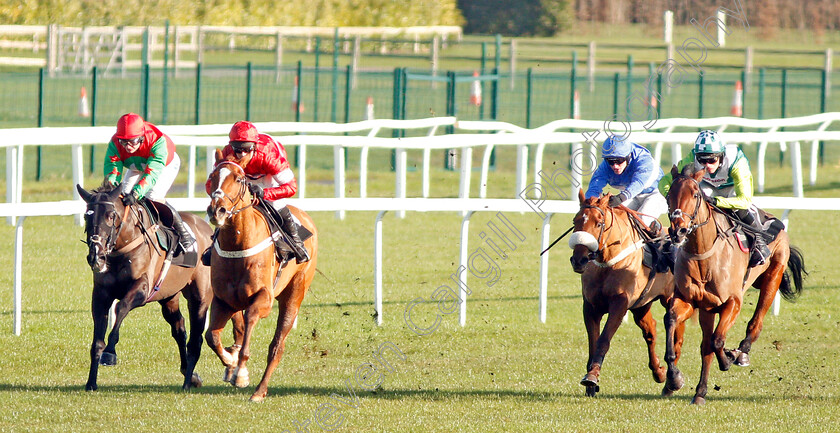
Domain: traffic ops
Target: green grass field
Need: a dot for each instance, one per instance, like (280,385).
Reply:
(504,371)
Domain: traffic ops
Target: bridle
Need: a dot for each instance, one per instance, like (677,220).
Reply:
(699,198)
(106,245)
(218,193)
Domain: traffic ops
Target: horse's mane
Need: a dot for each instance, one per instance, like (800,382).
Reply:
(104,187)
(691,169)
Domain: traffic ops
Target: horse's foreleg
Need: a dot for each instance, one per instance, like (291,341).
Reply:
(198,302)
(220,313)
(99,310)
(259,309)
(676,314)
(617,311)
(728,314)
(644,320)
(707,324)
(592,322)
(288,304)
(767,285)
(135,297)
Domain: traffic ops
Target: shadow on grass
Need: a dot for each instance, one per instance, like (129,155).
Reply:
(404,394)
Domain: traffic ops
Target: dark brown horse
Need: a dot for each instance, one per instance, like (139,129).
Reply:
(245,274)
(127,262)
(711,275)
(608,254)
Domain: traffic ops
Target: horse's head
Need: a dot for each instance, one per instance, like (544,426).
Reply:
(227,187)
(588,239)
(684,202)
(103,220)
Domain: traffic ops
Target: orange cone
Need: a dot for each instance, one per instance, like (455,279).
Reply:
(576,107)
(295,97)
(475,91)
(84,109)
(737,100)
(369,108)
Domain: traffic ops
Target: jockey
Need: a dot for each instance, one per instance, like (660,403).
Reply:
(272,179)
(630,168)
(144,161)
(727,183)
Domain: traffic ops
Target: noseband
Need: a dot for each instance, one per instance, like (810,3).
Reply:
(598,255)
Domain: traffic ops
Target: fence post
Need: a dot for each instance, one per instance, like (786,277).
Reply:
(761,93)
(498,52)
(435,53)
(165,90)
(145,90)
(317,72)
(744,96)
(829,54)
(784,93)
(41,74)
(334,105)
(572,85)
(590,65)
(748,66)
(616,79)
(348,87)
(659,101)
(494,89)
(248,72)
(826,84)
(512,62)
(92,114)
(528,93)
(278,55)
(198,93)
(629,84)
(701,84)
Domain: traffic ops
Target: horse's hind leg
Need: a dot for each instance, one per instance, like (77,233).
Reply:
(172,314)
(767,285)
(644,320)
(289,304)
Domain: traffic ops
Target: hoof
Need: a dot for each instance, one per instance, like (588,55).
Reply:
(108,358)
(241,378)
(660,374)
(228,376)
(743,360)
(256,398)
(590,380)
(91,387)
(697,400)
(675,381)
(195,381)
(667,392)
(592,390)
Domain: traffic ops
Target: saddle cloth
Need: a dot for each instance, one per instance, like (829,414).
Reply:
(167,238)
(282,242)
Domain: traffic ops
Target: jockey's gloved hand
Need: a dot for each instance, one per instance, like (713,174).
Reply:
(712,200)
(256,190)
(130,198)
(616,200)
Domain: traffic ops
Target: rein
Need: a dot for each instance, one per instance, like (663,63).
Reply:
(678,213)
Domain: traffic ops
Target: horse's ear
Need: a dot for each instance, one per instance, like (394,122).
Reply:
(243,162)
(698,175)
(581,197)
(84,193)
(218,155)
(674,171)
(115,193)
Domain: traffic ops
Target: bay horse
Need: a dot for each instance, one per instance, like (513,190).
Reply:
(127,261)
(608,253)
(245,275)
(711,275)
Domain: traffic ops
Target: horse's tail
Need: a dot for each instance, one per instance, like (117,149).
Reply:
(795,269)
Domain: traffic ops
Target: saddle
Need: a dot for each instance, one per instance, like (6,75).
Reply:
(660,256)
(282,244)
(160,217)
(746,233)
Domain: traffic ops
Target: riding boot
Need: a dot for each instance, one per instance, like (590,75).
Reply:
(655,228)
(185,238)
(760,252)
(291,229)
(205,256)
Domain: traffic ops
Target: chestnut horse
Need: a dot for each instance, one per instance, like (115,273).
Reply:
(608,253)
(247,277)
(711,275)
(127,263)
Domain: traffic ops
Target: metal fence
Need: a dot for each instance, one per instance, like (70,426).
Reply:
(225,94)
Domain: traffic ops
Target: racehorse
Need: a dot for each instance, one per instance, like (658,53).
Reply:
(711,275)
(127,263)
(608,253)
(247,277)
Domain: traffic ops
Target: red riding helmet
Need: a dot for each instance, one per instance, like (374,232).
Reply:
(130,126)
(244,131)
